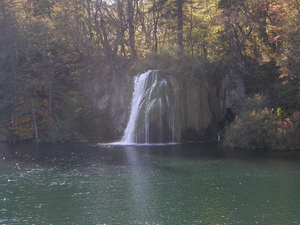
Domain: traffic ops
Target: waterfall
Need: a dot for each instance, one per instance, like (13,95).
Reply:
(152,116)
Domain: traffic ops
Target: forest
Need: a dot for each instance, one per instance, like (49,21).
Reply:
(50,48)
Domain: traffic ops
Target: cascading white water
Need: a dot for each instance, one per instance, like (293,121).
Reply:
(137,98)
(152,116)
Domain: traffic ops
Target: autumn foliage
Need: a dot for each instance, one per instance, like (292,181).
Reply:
(48,49)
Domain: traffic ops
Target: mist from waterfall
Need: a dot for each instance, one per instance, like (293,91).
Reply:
(152,115)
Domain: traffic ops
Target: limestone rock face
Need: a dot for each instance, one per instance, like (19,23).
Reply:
(198,109)
(110,95)
(233,90)
(199,105)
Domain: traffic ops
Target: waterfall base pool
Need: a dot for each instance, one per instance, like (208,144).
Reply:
(177,184)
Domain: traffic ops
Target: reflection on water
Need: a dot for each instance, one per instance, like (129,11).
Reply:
(179,184)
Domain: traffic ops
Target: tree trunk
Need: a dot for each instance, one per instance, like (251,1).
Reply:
(101,30)
(155,37)
(36,132)
(191,29)
(180,24)
(130,11)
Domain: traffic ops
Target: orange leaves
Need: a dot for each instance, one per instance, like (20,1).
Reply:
(264,129)
(32,111)
(22,127)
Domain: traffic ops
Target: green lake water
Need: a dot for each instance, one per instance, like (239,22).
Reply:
(176,184)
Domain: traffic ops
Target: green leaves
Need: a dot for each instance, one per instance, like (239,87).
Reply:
(263,129)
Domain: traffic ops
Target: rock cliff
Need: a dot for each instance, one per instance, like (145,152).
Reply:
(200,102)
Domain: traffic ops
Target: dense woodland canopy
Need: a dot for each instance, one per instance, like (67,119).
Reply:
(48,48)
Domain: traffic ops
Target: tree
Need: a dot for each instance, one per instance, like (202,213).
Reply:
(289,37)
(179,4)
(131,11)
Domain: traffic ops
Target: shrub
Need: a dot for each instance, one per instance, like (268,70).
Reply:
(285,96)
(264,129)
(252,129)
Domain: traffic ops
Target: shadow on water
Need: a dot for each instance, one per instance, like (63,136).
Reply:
(210,150)
(61,154)
(87,154)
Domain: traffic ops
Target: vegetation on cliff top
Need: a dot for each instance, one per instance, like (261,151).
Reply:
(49,48)
(263,128)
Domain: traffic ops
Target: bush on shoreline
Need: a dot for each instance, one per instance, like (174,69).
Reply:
(264,129)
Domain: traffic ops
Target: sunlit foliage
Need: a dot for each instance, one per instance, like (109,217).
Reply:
(48,47)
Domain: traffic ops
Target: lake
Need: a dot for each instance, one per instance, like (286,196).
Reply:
(175,184)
